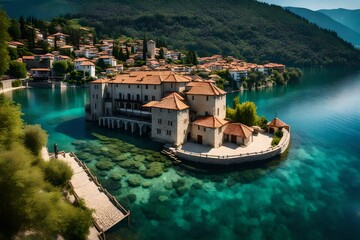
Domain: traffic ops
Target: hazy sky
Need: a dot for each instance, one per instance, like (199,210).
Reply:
(317,4)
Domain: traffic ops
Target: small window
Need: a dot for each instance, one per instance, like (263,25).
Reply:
(192,98)
(168,132)
(93,95)
(218,111)
(160,110)
(158,131)
(146,98)
(97,96)
(198,127)
(155,87)
(128,85)
(171,85)
(168,111)
(95,105)
(153,98)
(159,121)
(207,98)
(138,86)
(206,113)
(204,129)
(146,86)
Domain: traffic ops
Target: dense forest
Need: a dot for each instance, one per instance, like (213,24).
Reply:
(246,29)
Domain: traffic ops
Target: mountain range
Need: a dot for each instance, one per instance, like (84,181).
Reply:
(246,29)
(337,20)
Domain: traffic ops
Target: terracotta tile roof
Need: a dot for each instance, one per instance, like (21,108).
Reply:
(238,129)
(106,56)
(174,78)
(87,63)
(101,80)
(40,69)
(277,123)
(16,43)
(80,59)
(66,46)
(28,57)
(204,88)
(173,101)
(59,34)
(210,122)
(150,77)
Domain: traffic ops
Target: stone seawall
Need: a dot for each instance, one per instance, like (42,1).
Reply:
(237,159)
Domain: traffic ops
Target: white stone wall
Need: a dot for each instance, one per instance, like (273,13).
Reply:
(221,160)
(97,92)
(210,136)
(182,124)
(212,105)
(153,92)
(174,87)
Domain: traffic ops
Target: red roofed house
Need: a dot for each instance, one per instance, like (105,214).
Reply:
(238,133)
(277,124)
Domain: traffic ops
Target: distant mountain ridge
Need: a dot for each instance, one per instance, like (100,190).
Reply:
(246,29)
(349,18)
(326,22)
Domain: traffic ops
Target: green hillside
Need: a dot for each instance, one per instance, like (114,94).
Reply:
(244,28)
(327,22)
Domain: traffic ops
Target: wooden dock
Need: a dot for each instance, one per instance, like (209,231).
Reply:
(107,210)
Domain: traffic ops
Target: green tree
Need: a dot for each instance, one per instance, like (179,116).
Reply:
(4,37)
(10,121)
(35,138)
(247,113)
(57,172)
(161,54)
(278,77)
(22,28)
(60,67)
(17,69)
(144,47)
(13,53)
(14,30)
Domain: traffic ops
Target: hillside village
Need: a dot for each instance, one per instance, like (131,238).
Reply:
(110,57)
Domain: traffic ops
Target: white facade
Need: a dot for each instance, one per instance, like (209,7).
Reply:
(208,105)
(170,125)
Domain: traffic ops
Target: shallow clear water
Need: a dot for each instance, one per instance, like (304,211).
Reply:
(313,192)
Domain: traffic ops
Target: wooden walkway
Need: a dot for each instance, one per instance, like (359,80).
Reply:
(107,210)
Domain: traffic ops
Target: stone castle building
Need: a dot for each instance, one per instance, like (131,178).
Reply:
(166,106)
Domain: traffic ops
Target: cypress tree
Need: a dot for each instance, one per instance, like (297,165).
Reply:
(144,47)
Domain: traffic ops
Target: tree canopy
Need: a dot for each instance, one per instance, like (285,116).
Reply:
(245,113)
(17,69)
(4,37)
(33,200)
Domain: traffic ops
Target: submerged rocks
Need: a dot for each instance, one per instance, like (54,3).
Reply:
(134,181)
(104,165)
(155,169)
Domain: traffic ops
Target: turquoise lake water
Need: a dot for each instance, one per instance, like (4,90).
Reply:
(313,192)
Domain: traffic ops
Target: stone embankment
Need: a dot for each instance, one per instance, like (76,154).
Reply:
(228,159)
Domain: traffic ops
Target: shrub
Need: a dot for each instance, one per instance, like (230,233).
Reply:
(77,224)
(279,133)
(275,141)
(261,122)
(57,172)
(35,138)
(17,69)
(16,83)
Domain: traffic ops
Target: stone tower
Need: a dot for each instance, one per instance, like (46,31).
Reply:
(151,45)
